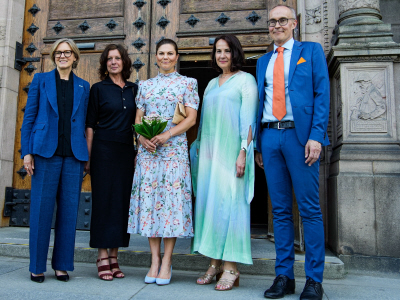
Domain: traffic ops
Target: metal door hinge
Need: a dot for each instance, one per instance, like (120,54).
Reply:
(20,60)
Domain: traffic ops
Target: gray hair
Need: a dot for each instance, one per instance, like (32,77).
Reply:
(287,6)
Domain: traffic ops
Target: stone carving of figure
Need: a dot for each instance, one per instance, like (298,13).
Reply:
(371,104)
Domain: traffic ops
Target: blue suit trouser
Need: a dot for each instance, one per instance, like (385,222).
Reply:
(284,166)
(54,179)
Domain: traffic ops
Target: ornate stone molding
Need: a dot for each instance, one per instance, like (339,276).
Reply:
(345,5)
(326,27)
(313,16)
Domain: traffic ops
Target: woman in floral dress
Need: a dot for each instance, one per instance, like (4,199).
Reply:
(160,205)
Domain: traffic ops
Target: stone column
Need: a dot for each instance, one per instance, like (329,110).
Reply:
(364,179)
(11,27)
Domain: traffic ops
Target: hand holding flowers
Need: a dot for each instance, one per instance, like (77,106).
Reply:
(150,130)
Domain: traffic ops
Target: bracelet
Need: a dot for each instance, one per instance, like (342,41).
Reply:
(170,133)
(244,149)
(137,136)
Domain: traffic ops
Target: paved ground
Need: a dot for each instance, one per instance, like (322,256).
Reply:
(134,260)
(84,284)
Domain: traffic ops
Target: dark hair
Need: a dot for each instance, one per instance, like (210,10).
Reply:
(167,42)
(237,54)
(126,61)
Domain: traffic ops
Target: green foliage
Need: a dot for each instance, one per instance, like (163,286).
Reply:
(150,130)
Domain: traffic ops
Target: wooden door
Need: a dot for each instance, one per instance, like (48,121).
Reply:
(92,24)
(139,25)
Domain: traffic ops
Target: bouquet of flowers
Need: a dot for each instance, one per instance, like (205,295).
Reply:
(151,126)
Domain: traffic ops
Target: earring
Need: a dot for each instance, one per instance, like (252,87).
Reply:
(106,72)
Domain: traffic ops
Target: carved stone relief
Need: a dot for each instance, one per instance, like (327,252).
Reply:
(345,5)
(366,92)
(313,15)
(368,105)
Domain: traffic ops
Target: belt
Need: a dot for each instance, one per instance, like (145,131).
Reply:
(279,125)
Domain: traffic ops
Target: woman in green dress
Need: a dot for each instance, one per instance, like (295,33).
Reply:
(223,166)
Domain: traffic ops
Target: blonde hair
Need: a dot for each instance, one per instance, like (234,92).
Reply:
(74,49)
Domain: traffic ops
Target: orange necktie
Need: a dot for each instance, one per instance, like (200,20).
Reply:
(278,95)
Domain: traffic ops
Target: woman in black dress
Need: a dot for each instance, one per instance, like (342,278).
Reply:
(111,113)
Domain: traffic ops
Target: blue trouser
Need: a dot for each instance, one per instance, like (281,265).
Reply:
(56,178)
(284,166)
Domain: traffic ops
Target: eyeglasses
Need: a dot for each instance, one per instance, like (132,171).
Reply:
(281,21)
(67,53)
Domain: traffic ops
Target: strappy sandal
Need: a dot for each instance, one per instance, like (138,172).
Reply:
(207,278)
(104,268)
(116,266)
(227,284)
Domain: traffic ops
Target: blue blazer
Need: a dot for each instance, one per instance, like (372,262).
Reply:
(39,132)
(308,90)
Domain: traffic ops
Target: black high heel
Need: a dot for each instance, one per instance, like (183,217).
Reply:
(64,278)
(38,279)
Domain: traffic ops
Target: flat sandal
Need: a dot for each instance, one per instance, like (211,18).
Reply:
(207,278)
(228,284)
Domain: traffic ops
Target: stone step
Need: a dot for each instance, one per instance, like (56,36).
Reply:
(14,243)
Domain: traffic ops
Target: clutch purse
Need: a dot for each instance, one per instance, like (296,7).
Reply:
(179,114)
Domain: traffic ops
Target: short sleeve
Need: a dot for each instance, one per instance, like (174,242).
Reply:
(141,96)
(93,107)
(191,96)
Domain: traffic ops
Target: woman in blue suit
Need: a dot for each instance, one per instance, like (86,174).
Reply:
(54,150)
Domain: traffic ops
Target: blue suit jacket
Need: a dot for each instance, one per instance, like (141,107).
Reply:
(308,90)
(39,132)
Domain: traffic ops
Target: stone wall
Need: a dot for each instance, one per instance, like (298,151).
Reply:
(390,14)
(11,26)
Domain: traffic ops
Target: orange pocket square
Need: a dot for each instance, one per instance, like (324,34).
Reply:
(301,60)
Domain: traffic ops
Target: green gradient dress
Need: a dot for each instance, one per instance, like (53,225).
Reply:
(222,210)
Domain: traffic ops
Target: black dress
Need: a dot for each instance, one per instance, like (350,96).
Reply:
(111,113)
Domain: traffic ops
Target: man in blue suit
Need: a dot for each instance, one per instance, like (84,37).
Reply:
(293,84)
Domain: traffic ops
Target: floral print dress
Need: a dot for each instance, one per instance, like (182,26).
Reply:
(161,202)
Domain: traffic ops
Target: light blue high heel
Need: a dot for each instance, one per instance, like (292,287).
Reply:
(161,281)
(148,279)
